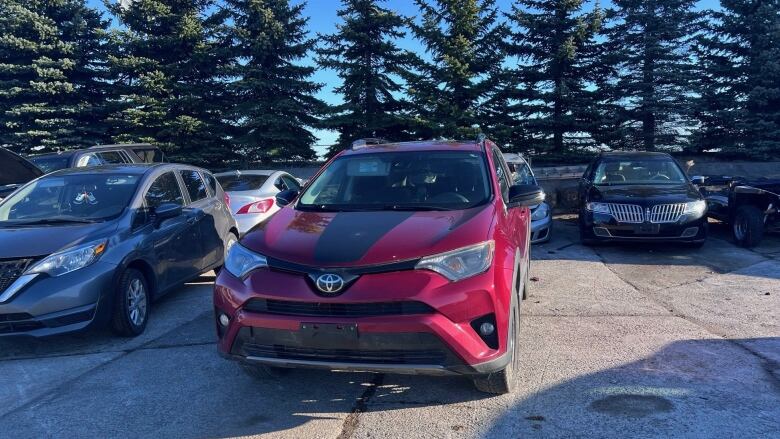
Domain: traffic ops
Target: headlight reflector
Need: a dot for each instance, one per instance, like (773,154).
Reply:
(240,261)
(71,259)
(598,207)
(540,212)
(462,263)
(696,208)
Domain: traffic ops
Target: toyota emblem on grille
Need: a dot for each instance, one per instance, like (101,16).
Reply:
(329,283)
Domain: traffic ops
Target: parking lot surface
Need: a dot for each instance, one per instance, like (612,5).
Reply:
(616,341)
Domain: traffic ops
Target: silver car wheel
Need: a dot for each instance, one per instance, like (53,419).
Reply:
(136,302)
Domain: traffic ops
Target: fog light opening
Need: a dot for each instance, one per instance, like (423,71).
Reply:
(690,232)
(224,320)
(485,327)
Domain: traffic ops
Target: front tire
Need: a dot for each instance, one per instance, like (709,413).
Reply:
(503,381)
(748,226)
(131,304)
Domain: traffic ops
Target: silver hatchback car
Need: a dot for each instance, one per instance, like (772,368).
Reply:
(252,194)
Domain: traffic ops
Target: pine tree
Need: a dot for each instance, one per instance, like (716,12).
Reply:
(168,68)
(452,87)
(275,102)
(52,75)
(739,95)
(369,64)
(554,42)
(650,49)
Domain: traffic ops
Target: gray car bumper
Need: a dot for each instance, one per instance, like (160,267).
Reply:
(54,305)
(541,230)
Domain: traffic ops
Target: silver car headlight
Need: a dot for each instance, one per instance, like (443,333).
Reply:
(696,208)
(240,261)
(70,259)
(540,212)
(598,207)
(462,263)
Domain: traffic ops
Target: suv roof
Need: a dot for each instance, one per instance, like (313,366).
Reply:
(627,154)
(424,145)
(123,145)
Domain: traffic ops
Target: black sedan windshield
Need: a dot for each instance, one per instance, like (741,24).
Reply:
(69,198)
(418,180)
(640,171)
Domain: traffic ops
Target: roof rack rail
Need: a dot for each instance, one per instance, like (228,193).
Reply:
(362,143)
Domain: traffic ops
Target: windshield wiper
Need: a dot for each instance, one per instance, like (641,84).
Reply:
(54,220)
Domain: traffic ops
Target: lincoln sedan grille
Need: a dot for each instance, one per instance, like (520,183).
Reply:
(626,213)
(10,270)
(666,213)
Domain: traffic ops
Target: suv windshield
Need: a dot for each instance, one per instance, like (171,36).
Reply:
(642,171)
(69,198)
(418,180)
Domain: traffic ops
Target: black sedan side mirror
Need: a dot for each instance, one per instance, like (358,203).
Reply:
(698,180)
(284,198)
(525,195)
(166,211)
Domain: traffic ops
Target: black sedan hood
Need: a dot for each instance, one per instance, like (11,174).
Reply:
(36,241)
(644,195)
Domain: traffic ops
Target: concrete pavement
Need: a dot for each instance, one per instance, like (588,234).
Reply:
(617,341)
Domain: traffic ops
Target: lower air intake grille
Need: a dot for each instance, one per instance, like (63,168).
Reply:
(347,355)
(324,309)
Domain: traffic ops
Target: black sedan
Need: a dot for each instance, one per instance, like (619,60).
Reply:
(640,196)
(14,172)
(91,246)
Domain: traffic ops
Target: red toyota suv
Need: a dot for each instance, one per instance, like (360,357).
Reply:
(396,257)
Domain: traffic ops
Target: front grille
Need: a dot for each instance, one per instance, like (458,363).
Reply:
(666,213)
(10,270)
(626,213)
(389,356)
(323,309)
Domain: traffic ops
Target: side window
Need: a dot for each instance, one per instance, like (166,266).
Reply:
(113,157)
(211,182)
(164,190)
(148,155)
(501,173)
(280,184)
(194,184)
(88,160)
(291,183)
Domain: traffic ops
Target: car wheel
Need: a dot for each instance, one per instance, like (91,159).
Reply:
(748,226)
(503,381)
(262,372)
(131,304)
(231,240)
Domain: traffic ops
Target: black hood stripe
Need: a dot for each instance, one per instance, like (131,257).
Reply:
(350,235)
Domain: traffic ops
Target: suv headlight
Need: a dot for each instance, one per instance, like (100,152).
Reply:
(540,212)
(71,259)
(240,261)
(598,207)
(462,263)
(696,208)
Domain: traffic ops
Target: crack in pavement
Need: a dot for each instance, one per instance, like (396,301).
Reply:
(352,420)
(51,393)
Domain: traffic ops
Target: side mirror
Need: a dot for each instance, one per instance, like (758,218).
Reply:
(166,211)
(284,198)
(525,195)
(698,180)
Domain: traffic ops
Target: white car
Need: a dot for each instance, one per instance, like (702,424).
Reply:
(252,194)
(541,214)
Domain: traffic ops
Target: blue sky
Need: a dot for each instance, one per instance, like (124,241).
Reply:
(323,19)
